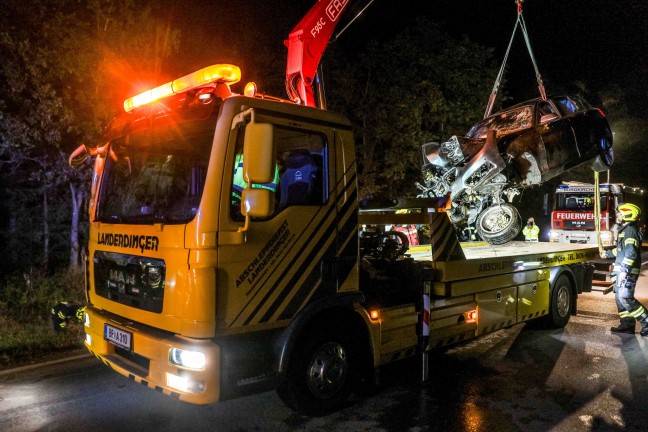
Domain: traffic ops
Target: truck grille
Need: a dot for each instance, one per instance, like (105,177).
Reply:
(130,280)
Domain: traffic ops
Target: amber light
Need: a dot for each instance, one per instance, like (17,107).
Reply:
(471,316)
(224,73)
(250,89)
(374,314)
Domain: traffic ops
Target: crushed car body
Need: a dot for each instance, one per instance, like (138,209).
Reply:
(521,146)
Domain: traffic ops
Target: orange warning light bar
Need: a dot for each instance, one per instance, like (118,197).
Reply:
(225,73)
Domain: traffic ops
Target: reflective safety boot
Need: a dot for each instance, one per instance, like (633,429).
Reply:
(643,320)
(624,328)
(644,327)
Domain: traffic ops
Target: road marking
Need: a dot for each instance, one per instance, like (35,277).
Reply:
(44,364)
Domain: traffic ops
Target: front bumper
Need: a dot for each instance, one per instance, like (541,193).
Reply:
(147,361)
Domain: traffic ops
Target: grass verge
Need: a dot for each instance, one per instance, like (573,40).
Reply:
(26,331)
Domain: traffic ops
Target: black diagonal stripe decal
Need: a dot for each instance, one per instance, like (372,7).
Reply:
(313,280)
(342,271)
(288,268)
(317,218)
(294,273)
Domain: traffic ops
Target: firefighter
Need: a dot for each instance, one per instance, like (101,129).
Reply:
(63,312)
(410,231)
(531,231)
(626,267)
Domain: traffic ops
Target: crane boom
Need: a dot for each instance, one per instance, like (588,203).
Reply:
(306,44)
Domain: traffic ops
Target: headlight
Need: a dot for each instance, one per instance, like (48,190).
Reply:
(184,384)
(554,236)
(187,359)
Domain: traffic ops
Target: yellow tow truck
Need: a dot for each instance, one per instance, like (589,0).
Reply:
(228,252)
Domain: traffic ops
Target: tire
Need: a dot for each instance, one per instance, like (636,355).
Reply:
(605,157)
(560,305)
(320,376)
(499,224)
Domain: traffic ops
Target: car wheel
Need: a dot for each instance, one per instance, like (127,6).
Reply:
(605,157)
(499,224)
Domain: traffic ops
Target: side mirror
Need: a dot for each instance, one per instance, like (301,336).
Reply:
(548,117)
(257,202)
(258,153)
(78,156)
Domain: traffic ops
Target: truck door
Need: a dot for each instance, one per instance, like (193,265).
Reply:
(282,263)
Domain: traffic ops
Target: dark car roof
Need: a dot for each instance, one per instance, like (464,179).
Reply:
(553,98)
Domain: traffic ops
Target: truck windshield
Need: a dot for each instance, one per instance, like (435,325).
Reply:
(578,201)
(156,175)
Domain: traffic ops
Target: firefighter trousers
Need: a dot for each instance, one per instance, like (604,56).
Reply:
(629,308)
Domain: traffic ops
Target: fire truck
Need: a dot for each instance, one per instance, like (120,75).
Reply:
(573,218)
(226,253)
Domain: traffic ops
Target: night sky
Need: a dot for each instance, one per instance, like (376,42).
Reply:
(597,41)
(589,45)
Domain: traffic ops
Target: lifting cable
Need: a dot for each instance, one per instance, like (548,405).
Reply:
(597,212)
(519,21)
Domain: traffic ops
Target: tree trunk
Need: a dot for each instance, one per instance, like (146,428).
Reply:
(46,232)
(77,201)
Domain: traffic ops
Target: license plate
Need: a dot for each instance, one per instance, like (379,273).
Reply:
(118,337)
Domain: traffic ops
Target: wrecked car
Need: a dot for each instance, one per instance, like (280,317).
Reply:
(524,145)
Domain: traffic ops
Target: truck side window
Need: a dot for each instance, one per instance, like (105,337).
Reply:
(301,176)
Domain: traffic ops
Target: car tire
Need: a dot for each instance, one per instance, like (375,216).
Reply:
(605,157)
(499,224)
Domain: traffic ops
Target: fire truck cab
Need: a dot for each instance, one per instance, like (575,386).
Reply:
(573,219)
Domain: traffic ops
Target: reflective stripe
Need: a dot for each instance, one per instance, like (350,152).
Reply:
(638,312)
(631,241)
(628,262)
(624,314)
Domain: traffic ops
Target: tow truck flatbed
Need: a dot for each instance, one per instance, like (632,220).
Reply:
(493,265)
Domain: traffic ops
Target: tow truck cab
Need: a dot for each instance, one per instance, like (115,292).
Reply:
(178,267)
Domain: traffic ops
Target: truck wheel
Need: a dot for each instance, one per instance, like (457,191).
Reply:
(499,224)
(320,376)
(560,305)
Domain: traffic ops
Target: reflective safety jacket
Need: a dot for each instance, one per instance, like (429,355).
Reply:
(531,232)
(627,250)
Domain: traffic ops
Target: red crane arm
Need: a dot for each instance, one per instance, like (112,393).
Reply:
(306,44)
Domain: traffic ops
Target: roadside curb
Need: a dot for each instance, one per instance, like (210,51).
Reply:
(43,364)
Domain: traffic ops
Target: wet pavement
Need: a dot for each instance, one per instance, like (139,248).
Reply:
(600,302)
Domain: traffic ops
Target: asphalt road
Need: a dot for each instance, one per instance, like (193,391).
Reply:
(580,378)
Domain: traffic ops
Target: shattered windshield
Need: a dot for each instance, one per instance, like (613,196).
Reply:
(507,122)
(156,176)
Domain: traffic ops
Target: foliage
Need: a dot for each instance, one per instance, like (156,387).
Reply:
(417,87)
(67,67)
(25,302)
